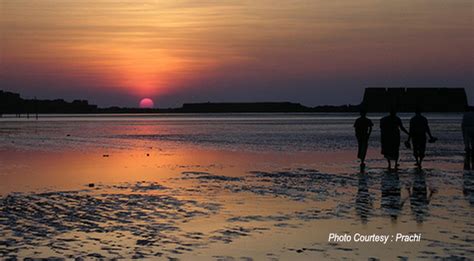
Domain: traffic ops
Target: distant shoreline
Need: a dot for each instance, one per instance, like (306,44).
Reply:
(375,100)
(211,115)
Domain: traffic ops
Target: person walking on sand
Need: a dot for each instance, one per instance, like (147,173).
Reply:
(468,137)
(363,129)
(418,129)
(390,127)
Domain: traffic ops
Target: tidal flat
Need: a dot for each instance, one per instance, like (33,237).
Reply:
(251,187)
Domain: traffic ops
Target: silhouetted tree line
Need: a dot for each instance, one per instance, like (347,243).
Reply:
(244,107)
(12,103)
(248,107)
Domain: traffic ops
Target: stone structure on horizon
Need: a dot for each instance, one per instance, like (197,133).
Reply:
(382,99)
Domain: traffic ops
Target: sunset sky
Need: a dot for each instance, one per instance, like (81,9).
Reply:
(174,51)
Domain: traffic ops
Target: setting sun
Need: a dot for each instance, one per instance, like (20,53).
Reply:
(147,103)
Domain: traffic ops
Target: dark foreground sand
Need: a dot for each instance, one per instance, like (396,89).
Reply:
(230,206)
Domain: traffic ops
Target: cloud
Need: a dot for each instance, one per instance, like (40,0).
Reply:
(249,48)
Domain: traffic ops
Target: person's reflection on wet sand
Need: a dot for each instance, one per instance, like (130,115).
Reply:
(363,199)
(468,186)
(419,196)
(391,201)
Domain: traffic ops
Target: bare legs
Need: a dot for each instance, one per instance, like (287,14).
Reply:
(390,164)
(419,161)
(468,159)
(363,145)
(469,156)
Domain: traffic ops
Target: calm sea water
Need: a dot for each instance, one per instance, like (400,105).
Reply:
(254,132)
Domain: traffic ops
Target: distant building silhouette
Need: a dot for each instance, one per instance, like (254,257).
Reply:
(407,99)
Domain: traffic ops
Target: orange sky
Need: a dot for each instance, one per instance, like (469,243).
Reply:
(116,52)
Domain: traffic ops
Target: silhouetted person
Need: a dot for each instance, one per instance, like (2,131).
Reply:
(468,136)
(419,197)
(468,186)
(418,130)
(391,201)
(363,128)
(390,127)
(363,199)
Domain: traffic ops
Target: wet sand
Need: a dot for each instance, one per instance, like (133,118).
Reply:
(202,204)
(225,187)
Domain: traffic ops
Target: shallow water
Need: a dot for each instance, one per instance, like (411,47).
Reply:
(254,132)
(253,186)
